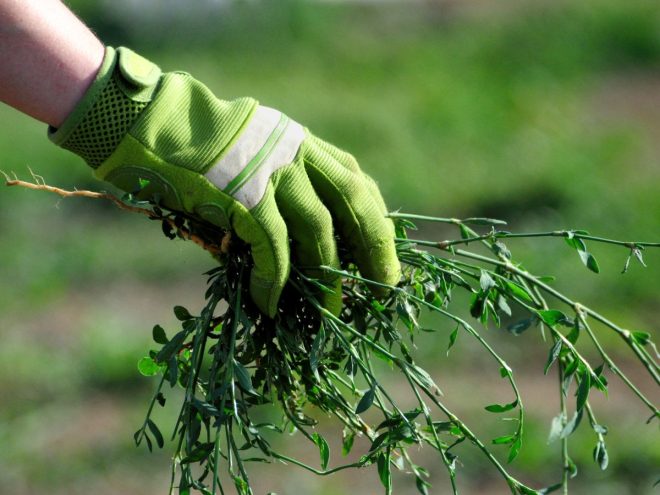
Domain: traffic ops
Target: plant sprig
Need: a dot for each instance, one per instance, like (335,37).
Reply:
(230,360)
(317,359)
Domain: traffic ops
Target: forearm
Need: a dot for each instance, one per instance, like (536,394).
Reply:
(48,58)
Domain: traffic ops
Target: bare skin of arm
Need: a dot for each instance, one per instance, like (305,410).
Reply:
(48,58)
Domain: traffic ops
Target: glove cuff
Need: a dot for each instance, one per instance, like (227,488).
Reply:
(122,89)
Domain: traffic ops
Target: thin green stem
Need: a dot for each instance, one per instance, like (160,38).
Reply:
(626,335)
(371,379)
(564,421)
(467,432)
(151,407)
(615,369)
(429,422)
(239,460)
(229,372)
(573,304)
(455,221)
(509,235)
(365,351)
(464,324)
(286,458)
(216,458)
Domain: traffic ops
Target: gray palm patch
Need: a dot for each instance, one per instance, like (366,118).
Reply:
(269,141)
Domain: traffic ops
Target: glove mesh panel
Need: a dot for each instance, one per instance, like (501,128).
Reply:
(105,125)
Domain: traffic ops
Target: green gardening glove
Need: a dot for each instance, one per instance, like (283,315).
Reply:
(237,165)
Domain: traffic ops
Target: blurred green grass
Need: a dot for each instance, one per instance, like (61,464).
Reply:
(543,114)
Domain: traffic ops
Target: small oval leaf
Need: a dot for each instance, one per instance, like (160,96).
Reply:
(148,367)
(366,400)
(500,408)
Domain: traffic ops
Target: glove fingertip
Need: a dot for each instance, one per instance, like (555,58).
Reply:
(388,274)
(380,263)
(332,301)
(265,294)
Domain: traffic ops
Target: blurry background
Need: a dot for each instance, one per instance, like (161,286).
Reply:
(546,114)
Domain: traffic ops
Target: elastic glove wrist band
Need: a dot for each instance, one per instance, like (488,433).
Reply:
(118,95)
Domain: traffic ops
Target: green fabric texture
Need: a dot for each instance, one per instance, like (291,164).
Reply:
(136,123)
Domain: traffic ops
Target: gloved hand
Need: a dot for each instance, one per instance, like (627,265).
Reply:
(235,164)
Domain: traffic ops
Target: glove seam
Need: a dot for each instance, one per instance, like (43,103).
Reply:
(357,224)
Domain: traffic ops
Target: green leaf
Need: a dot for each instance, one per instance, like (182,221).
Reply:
(159,335)
(503,305)
(500,408)
(423,376)
(148,440)
(366,400)
(406,313)
(148,367)
(172,347)
(398,419)
(156,433)
(572,468)
(550,489)
(575,242)
(518,291)
(378,306)
(600,429)
(422,485)
(324,449)
(600,455)
(515,449)
(182,313)
(572,425)
(378,441)
(552,356)
(466,232)
(486,281)
(499,248)
(242,486)
(172,371)
(384,471)
(202,451)
(638,254)
(578,244)
(483,221)
(520,326)
(553,317)
(505,439)
(601,382)
(574,334)
(589,261)
(317,349)
(452,339)
(243,377)
(205,408)
(347,443)
(556,428)
(626,265)
(441,426)
(642,338)
(583,390)
(137,437)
